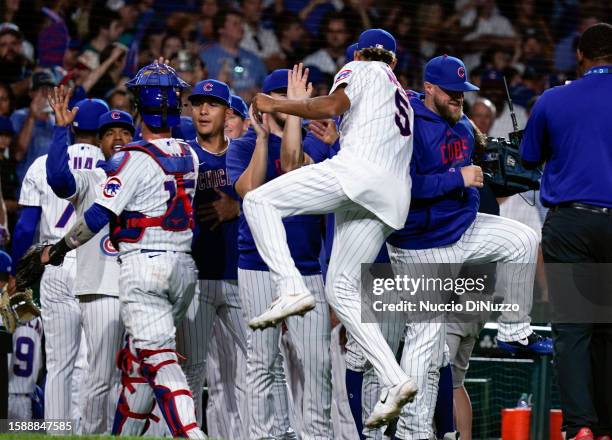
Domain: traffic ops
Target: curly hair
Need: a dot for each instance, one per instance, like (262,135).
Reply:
(377,54)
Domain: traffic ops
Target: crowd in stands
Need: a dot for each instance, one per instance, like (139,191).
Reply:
(95,46)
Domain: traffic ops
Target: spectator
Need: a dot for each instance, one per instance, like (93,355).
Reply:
(189,67)
(71,56)
(528,21)
(15,66)
(171,44)
(121,99)
(482,114)
(533,83)
(331,58)
(291,37)
(434,32)
(492,87)
(105,27)
(53,39)
(8,177)
(257,39)
(206,29)
(311,12)
(128,12)
(227,62)
(484,27)
(565,51)
(533,53)
(7,100)
(109,72)
(34,124)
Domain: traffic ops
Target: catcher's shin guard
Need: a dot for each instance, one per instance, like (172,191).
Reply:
(175,401)
(136,400)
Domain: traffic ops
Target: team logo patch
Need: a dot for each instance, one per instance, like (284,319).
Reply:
(115,115)
(343,75)
(107,248)
(461,72)
(208,87)
(112,186)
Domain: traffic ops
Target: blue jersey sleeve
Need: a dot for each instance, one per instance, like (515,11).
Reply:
(535,139)
(59,176)
(315,148)
(425,186)
(23,235)
(96,217)
(239,156)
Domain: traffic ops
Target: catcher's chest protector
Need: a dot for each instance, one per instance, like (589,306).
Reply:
(130,225)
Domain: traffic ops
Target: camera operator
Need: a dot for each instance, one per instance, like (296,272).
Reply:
(569,129)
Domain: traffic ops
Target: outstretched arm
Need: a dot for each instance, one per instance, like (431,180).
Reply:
(321,107)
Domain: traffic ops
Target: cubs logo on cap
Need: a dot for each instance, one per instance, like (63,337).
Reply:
(115,118)
(212,88)
(448,73)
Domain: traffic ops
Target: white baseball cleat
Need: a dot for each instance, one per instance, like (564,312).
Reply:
(391,402)
(281,308)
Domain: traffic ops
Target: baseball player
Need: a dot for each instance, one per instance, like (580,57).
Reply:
(366,185)
(215,248)
(96,286)
(237,121)
(25,360)
(61,313)
(260,156)
(444,227)
(147,195)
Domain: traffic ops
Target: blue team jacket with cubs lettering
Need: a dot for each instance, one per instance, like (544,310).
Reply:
(441,208)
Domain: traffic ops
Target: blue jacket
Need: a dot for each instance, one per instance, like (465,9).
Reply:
(441,208)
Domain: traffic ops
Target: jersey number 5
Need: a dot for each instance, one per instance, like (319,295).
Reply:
(401,117)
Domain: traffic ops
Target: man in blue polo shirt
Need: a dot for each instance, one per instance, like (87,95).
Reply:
(570,129)
(253,160)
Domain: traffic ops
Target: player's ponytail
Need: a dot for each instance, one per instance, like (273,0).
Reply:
(376,54)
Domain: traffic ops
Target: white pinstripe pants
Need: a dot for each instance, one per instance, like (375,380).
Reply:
(103,330)
(217,301)
(311,336)
(358,237)
(62,326)
(489,239)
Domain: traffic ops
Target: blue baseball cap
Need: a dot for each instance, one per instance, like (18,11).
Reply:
(115,118)
(239,106)
(213,88)
(350,52)
(6,262)
(448,73)
(276,80)
(89,113)
(379,38)
(6,126)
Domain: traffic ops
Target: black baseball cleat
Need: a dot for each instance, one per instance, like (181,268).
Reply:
(534,343)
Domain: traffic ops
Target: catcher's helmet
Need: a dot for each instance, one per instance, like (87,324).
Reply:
(157,88)
(90,111)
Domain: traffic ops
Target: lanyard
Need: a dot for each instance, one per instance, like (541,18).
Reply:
(598,70)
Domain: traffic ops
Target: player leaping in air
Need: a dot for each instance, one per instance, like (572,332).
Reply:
(147,194)
(367,186)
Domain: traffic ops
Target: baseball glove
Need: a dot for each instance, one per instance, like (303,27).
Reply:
(16,308)
(29,268)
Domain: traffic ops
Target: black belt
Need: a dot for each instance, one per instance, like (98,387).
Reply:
(586,207)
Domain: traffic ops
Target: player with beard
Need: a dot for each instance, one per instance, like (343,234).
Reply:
(444,226)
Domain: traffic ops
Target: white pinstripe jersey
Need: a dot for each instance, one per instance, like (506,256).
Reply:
(97,267)
(373,164)
(25,360)
(57,214)
(142,186)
